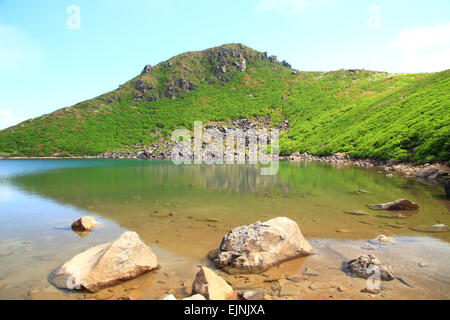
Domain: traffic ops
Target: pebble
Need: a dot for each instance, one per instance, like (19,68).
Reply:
(423,264)
(371,291)
(383,238)
(296,278)
(309,272)
(344,231)
(253,295)
(341,289)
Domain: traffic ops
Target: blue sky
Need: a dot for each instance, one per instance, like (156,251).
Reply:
(47,62)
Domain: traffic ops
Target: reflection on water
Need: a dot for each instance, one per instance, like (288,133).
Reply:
(39,199)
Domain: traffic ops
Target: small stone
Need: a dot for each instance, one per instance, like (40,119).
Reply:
(371,291)
(344,231)
(307,291)
(402,204)
(383,238)
(366,265)
(253,295)
(33,292)
(320,285)
(423,264)
(84,224)
(439,227)
(309,272)
(341,289)
(213,254)
(195,297)
(210,285)
(297,278)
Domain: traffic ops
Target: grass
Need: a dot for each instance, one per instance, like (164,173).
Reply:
(365,114)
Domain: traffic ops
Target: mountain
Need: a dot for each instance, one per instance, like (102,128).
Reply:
(362,113)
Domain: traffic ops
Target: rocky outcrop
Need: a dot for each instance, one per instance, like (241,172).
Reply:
(106,265)
(84,224)
(211,286)
(178,87)
(144,91)
(402,204)
(368,265)
(147,69)
(260,246)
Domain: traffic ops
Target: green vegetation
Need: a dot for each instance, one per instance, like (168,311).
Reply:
(362,113)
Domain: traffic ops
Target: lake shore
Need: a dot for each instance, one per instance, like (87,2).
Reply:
(439,171)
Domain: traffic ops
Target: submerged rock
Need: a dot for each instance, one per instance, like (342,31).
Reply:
(84,224)
(211,286)
(439,227)
(366,265)
(260,246)
(402,204)
(106,265)
(195,297)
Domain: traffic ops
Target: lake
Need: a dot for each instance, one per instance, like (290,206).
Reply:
(183,212)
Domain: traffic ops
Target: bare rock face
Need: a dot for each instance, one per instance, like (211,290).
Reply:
(147,69)
(368,265)
(402,204)
(208,284)
(84,224)
(106,265)
(260,246)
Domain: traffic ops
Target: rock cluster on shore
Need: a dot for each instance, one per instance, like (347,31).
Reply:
(422,171)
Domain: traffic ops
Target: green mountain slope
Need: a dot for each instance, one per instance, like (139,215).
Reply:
(363,113)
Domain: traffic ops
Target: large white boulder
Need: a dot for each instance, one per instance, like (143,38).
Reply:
(260,246)
(106,265)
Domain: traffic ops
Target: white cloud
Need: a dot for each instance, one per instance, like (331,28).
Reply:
(425,49)
(8,119)
(282,6)
(17,50)
(374,20)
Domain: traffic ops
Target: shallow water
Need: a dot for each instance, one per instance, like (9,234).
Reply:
(39,199)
